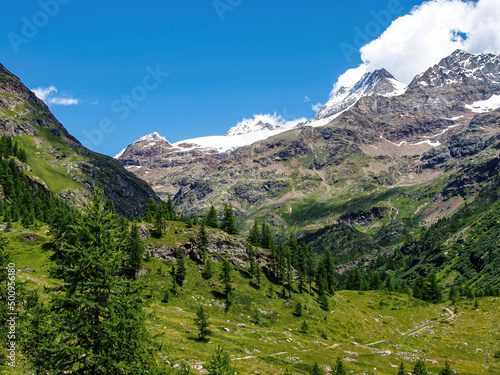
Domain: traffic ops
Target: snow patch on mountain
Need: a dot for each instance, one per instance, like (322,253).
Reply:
(225,143)
(117,156)
(483,106)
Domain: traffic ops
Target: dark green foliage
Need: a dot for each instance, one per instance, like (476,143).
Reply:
(329,268)
(434,290)
(151,209)
(166,296)
(23,199)
(258,275)
(207,269)
(304,328)
(419,368)
(189,222)
(134,252)
(225,275)
(109,206)
(340,368)
(211,220)
(202,237)
(229,221)
(267,237)
(323,302)
(180,271)
(355,280)
(254,237)
(95,306)
(201,322)
(316,370)
(446,370)
(401,370)
(220,363)
(419,288)
(453,293)
(160,224)
(298,310)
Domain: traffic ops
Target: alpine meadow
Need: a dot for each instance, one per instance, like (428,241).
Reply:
(363,238)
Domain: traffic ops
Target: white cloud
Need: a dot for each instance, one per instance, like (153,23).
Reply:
(63,101)
(317,107)
(431,31)
(47,94)
(44,92)
(306,99)
(274,119)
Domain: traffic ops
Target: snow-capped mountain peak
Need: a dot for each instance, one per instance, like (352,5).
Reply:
(379,82)
(152,137)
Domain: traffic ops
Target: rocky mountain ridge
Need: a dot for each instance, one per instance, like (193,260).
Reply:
(58,159)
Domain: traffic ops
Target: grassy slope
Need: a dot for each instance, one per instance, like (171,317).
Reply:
(468,340)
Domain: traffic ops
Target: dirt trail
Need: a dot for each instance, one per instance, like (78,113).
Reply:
(452,315)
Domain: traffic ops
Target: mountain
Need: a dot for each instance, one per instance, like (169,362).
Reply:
(387,142)
(58,159)
(379,82)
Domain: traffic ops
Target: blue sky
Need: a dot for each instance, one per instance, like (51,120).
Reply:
(251,57)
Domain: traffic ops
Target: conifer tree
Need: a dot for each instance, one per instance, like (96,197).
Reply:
(207,269)
(258,275)
(434,290)
(401,370)
(254,237)
(211,220)
(201,322)
(446,370)
(151,209)
(160,223)
(329,267)
(419,288)
(304,327)
(340,368)
(203,238)
(316,370)
(298,310)
(134,250)
(169,208)
(419,368)
(180,272)
(266,240)
(220,363)
(226,275)
(95,306)
(374,280)
(323,302)
(229,221)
